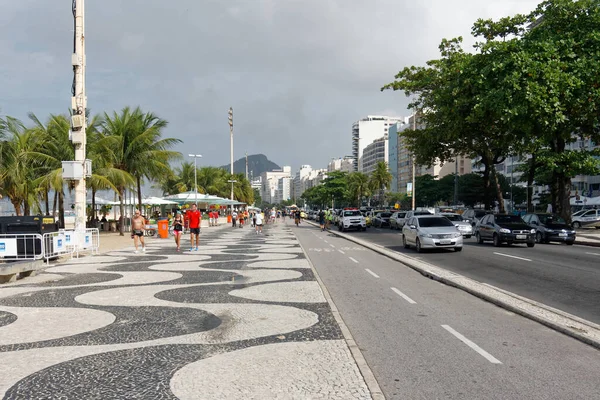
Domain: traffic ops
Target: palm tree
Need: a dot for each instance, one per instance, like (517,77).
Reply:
(381,178)
(16,167)
(137,147)
(213,180)
(359,186)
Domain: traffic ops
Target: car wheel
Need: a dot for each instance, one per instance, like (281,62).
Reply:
(339,228)
(569,243)
(418,246)
(539,238)
(406,246)
(497,241)
(363,229)
(576,225)
(530,244)
(458,249)
(478,238)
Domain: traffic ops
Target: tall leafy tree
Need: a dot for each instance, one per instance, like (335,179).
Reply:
(380,179)
(359,186)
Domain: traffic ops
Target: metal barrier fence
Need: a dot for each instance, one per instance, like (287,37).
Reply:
(71,242)
(21,246)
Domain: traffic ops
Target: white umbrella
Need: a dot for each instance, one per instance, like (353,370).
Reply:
(99,201)
(157,201)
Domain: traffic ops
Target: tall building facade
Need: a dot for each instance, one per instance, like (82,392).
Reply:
(300,181)
(270,184)
(367,130)
(375,153)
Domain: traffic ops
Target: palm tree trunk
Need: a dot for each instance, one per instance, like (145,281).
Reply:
(122,211)
(139,191)
(93,203)
(54,204)
(47,201)
(61,209)
(17,205)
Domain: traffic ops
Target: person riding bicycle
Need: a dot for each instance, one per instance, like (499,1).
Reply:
(297,217)
(322,216)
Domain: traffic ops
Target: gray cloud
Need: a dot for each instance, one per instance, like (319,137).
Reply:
(297,73)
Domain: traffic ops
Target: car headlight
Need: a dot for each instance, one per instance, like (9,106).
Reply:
(532,231)
(504,230)
(457,235)
(427,235)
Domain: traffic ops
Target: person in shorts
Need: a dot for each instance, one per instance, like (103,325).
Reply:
(194,217)
(259,222)
(178,229)
(138,225)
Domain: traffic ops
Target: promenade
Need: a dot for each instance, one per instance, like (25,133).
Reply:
(242,318)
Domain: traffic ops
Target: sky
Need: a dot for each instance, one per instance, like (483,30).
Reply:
(297,73)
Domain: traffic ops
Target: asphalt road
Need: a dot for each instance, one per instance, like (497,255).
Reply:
(560,276)
(425,340)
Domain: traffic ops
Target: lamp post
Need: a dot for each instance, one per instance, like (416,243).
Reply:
(414,192)
(196,156)
(231,152)
(512,168)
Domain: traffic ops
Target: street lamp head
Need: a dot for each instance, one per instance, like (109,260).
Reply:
(195,155)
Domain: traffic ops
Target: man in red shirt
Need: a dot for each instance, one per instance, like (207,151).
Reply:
(194,217)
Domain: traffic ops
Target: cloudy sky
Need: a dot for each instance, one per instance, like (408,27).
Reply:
(298,73)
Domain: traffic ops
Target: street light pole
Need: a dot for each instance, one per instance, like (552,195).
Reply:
(231,151)
(414,192)
(196,156)
(79,105)
(512,169)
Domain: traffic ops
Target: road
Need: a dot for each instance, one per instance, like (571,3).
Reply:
(425,340)
(560,276)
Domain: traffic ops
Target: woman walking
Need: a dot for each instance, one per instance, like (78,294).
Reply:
(178,228)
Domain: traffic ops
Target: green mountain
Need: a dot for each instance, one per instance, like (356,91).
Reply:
(257,164)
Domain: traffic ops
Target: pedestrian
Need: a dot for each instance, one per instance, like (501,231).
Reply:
(241,218)
(322,220)
(194,218)
(259,223)
(178,229)
(138,226)
(254,219)
(234,216)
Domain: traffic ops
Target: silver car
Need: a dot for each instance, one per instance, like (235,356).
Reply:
(463,226)
(431,232)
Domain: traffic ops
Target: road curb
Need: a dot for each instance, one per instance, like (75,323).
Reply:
(571,325)
(363,366)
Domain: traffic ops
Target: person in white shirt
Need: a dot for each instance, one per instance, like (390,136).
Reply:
(259,222)
(234,218)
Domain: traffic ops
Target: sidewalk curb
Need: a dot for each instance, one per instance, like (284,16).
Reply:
(363,367)
(568,324)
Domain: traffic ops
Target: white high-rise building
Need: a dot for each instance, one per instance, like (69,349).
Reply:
(270,184)
(345,164)
(300,181)
(366,131)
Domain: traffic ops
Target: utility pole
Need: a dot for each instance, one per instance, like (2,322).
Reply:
(246,165)
(414,192)
(231,134)
(456,181)
(78,104)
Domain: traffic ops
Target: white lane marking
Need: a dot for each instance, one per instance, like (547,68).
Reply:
(405,297)
(508,255)
(593,254)
(341,251)
(326,241)
(472,345)
(372,273)
(353,260)
(332,246)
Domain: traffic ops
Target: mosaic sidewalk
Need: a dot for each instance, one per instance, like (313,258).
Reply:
(242,318)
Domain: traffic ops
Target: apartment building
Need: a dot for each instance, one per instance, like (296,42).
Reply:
(366,131)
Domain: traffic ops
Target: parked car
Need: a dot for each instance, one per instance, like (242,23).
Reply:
(590,218)
(473,216)
(397,220)
(410,214)
(550,228)
(504,228)
(382,219)
(463,226)
(431,232)
(351,218)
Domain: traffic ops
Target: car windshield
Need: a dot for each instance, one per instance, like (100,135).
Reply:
(551,219)
(352,213)
(433,222)
(453,217)
(385,215)
(422,213)
(480,213)
(401,215)
(508,219)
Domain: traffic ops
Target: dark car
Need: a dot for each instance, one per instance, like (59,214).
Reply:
(473,216)
(382,219)
(550,228)
(504,228)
